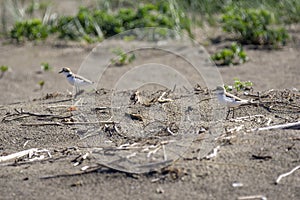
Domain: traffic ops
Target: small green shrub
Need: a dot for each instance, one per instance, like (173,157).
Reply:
(239,85)
(41,84)
(3,68)
(254,26)
(45,66)
(230,56)
(32,29)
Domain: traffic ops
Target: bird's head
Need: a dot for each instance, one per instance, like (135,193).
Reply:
(219,90)
(65,70)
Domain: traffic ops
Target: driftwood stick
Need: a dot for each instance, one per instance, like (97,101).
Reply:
(280,126)
(34,114)
(87,123)
(60,106)
(67,123)
(252,197)
(18,154)
(238,119)
(43,124)
(165,154)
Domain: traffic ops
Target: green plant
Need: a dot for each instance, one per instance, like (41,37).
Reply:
(4,68)
(93,25)
(230,56)
(203,10)
(209,10)
(254,26)
(239,85)
(41,84)
(108,23)
(122,58)
(288,11)
(32,29)
(45,66)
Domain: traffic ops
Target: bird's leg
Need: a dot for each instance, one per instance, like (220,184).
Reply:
(76,91)
(228,113)
(232,112)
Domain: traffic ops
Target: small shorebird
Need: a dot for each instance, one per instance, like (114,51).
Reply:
(75,79)
(229,100)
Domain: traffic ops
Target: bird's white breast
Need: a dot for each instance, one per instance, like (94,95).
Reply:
(230,102)
(71,80)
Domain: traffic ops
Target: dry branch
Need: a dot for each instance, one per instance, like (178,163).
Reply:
(42,124)
(18,155)
(22,114)
(280,126)
(87,123)
(239,119)
(67,123)
(253,197)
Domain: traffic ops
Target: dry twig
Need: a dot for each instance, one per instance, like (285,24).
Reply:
(240,119)
(22,114)
(280,126)
(235,129)
(42,124)
(286,174)
(68,123)
(162,98)
(252,197)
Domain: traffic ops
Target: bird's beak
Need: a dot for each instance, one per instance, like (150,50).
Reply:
(60,71)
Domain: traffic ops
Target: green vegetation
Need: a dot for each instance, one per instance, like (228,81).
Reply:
(123,58)
(3,68)
(93,25)
(239,85)
(41,84)
(45,66)
(254,22)
(32,29)
(254,26)
(230,56)
(203,10)
(286,11)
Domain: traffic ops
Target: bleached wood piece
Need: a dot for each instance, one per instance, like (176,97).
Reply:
(17,155)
